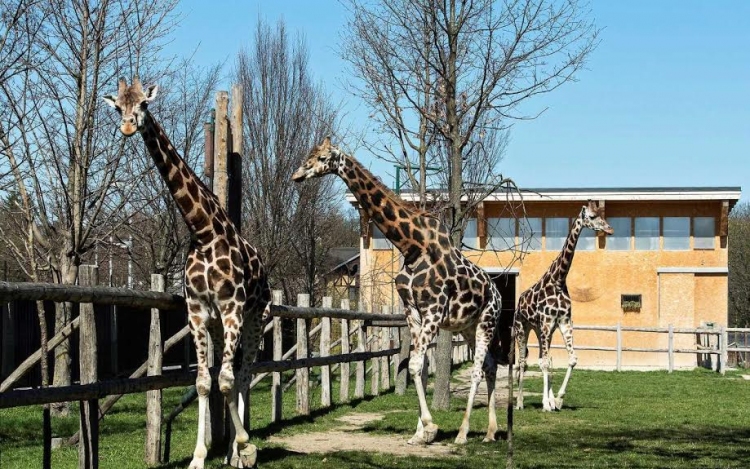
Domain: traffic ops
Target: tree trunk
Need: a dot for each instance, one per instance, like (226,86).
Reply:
(63,316)
(441,396)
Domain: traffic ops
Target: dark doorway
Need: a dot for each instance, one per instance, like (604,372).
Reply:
(506,283)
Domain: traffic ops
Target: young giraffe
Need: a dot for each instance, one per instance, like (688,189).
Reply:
(546,305)
(440,288)
(226,290)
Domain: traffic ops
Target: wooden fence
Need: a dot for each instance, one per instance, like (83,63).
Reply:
(718,347)
(377,343)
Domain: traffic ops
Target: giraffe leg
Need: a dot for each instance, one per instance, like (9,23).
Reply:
(243,453)
(197,321)
(426,429)
(566,329)
(490,374)
(548,397)
(522,338)
(483,340)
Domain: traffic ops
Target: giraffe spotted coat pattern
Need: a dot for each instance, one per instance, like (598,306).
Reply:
(226,290)
(546,305)
(439,287)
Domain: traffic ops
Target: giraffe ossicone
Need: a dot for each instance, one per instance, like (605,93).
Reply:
(440,288)
(546,305)
(226,289)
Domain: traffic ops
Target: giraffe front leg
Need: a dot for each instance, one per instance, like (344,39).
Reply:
(491,376)
(197,322)
(426,429)
(522,353)
(566,329)
(483,339)
(548,397)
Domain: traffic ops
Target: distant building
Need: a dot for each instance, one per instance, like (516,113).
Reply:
(342,280)
(665,264)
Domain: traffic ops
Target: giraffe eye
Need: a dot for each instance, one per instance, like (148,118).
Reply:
(321,158)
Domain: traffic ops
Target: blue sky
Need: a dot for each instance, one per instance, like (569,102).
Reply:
(664,101)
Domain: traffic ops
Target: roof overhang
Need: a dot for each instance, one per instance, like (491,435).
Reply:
(629,194)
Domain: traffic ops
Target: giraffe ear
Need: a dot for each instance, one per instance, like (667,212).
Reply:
(151,92)
(327,141)
(111,100)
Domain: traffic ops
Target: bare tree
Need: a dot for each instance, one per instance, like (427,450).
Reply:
(285,114)
(739,266)
(55,148)
(445,78)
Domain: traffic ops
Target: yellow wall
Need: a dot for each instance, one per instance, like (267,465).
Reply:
(598,278)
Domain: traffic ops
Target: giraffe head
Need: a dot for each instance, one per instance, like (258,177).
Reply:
(131,102)
(592,218)
(323,159)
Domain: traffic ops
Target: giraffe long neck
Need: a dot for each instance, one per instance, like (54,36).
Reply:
(404,226)
(198,205)
(561,266)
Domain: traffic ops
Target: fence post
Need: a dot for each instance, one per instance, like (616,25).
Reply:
(153,398)
(402,375)
(619,346)
(385,369)
(359,385)
(325,350)
(393,359)
(345,349)
(276,390)
(372,339)
(88,448)
(303,374)
(8,339)
(670,347)
(723,356)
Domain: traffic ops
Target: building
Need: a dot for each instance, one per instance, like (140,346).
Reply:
(342,280)
(666,263)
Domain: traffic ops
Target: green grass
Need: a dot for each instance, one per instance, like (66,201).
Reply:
(695,419)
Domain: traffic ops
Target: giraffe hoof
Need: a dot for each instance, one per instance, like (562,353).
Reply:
(430,432)
(460,440)
(196,464)
(246,458)
(416,441)
(559,403)
(489,439)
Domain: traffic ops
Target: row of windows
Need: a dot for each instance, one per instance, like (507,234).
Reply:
(640,233)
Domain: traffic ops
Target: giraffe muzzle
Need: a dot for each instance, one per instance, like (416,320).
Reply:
(299,175)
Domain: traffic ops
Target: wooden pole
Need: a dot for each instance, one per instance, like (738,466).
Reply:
(670,348)
(88,449)
(8,339)
(619,346)
(325,351)
(345,349)
(221,143)
(153,398)
(359,385)
(276,390)
(723,356)
(234,163)
(385,369)
(303,374)
(373,340)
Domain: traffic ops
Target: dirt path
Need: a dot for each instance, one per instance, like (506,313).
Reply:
(349,435)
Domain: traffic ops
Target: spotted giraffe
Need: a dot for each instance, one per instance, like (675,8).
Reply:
(546,306)
(440,288)
(226,290)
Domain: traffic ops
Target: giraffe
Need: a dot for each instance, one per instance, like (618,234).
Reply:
(546,306)
(440,288)
(226,290)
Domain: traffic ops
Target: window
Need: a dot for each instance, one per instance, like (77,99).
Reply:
(676,233)
(501,234)
(631,303)
(530,234)
(586,240)
(620,239)
(647,233)
(704,230)
(379,241)
(556,233)
(470,239)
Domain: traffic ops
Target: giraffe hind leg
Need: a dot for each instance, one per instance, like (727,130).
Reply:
(198,319)
(566,329)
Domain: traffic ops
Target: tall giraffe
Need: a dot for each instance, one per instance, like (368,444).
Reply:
(226,290)
(439,287)
(546,306)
